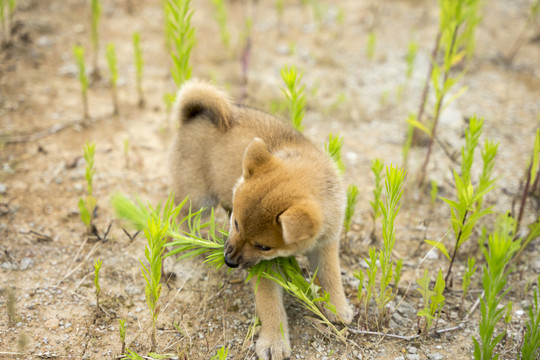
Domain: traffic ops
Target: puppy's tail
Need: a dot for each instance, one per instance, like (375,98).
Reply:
(196,98)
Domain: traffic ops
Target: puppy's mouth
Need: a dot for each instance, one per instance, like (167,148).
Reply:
(238,263)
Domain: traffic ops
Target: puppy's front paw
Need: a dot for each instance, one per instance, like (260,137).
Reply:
(345,314)
(272,348)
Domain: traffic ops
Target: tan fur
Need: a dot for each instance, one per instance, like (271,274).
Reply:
(284,194)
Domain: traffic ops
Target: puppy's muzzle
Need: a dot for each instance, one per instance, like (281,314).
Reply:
(228,254)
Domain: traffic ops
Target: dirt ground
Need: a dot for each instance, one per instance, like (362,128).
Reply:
(47,301)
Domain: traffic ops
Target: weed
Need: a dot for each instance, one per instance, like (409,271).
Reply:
(530,349)
(333,148)
(78,52)
(352,199)
(295,95)
(181,32)
(96,15)
(471,269)
(434,192)
(410,58)
(433,300)
(97,267)
(501,248)
(113,68)
(377,167)
(371,43)
(139,64)
(221,354)
(122,330)
(530,178)
(221,18)
(87,205)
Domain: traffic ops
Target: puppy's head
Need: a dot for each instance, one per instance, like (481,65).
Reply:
(273,214)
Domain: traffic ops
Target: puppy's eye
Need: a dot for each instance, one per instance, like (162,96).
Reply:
(262,247)
(236,225)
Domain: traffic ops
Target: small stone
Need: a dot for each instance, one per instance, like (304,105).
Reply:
(435,356)
(52,323)
(44,41)
(413,357)
(412,350)
(3,189)
(399,358)
(26,263)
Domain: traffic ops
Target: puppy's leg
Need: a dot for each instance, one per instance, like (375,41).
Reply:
(326,259)
(273,342)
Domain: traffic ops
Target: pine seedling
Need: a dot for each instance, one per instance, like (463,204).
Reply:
(294,92)
(433,300)
(377,167)
(352,199)
(530,350)
(179,29)
(122,330)
(371,43)
(96,15)
(221,354)
(472,137)
(139,64)
(501,248)
(471,269)
(488,161)
(333,148)
(113,69)
(221,18)
(97,267)
(78,52)
(87,205)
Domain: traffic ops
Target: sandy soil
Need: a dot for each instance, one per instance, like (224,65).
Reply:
(45,256)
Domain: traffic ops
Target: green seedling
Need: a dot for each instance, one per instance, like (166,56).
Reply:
(377,167)
(139,64)
(501,248)
(333,148)
(488,161)
(113,68)
(221,18)
(96,15)
(294,92)
(457,24)
(122,330)
(434,192)
(410,58)
(433,300)
(179,29)
(78,52)
(97,267)
(6,19)
(530,178)
(471,269)
(191,243)
(87,205)
(221,354)
(472,138)
(371,44)
(132,355)
(389,271)
(530,350)
(352,199)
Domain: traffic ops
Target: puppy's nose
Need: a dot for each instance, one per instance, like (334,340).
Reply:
(230,263)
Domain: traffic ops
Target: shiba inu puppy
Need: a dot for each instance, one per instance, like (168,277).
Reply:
(284,196)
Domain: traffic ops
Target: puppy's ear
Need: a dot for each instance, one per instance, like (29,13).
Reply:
(300,222)
(197,98)
(255,156)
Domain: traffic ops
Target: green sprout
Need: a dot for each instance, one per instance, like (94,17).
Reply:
(96,14)
(530,350)
(87,205)
(122,330)
(471,269)
(410,58)
(221,18)
(178,20)
(434,192)
(372,42)
(433,300)
(295,95)
(501,248)
(6,20)
(139,64)
(221,354)
(113,68)
(352,199)
(78,52)
(97,267)
(377,167)
(333,148)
